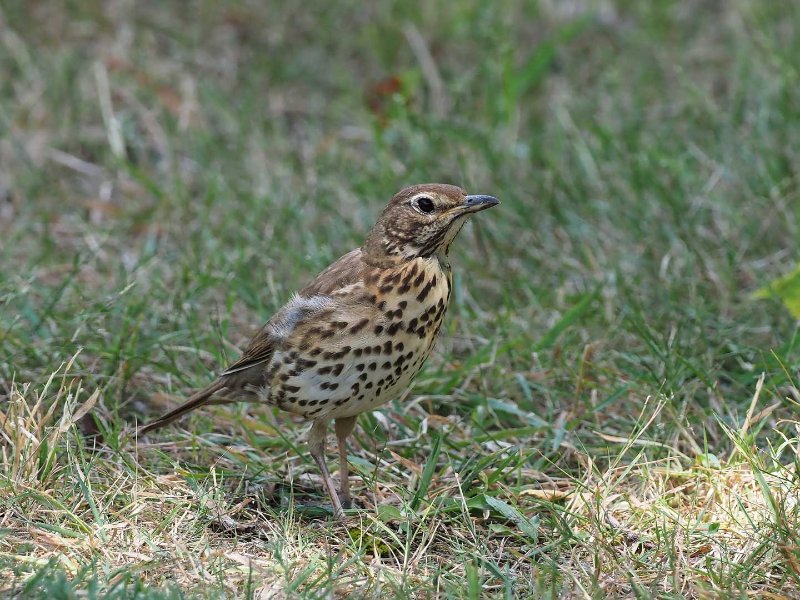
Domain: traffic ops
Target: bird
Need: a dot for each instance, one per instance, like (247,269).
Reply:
(357,335)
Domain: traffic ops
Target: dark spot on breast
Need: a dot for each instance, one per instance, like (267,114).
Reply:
(360,367)
(376,348)
(420,278)
(399,347)
(373,366)
(386,365)
(313,402)
(368,386)
(394,327)
(387,347)
(355,387)
(359,326)
(338,355)
(389,280)
(324,401)
(316,352)
(337,369)
(291,388)
(412,326)
(303,402)
(368,350)
(410,275)
(378,329)
(428,286)
(324,370)
(357,352)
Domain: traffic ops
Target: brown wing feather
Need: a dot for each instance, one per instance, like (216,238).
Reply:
(257,352)
(344,272)
(349,269)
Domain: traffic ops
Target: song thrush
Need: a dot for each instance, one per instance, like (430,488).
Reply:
(358,334)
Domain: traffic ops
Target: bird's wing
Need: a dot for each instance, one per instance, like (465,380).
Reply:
(312,303)
(345,272)
(258,351)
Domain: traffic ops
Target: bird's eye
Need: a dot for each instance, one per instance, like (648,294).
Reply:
(425,204)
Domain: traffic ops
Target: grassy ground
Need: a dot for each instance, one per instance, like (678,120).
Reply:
(609,414)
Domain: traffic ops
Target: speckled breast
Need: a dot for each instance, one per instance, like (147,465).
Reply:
(367,347)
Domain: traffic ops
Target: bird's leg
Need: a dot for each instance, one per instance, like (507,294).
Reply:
(316,447)
(344,427)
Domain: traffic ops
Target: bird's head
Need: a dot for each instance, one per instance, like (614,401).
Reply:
(422,220)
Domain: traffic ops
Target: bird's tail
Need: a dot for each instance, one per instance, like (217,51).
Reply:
(196,400)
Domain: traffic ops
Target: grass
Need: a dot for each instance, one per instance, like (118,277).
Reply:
(610,412)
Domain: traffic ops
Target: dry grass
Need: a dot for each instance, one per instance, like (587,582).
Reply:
(630,527)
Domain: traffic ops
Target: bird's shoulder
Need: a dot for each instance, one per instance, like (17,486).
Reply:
(322,301)
(348,271)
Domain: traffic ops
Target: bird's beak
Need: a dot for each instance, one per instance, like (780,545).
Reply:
(476,203)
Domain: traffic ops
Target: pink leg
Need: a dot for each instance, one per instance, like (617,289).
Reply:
(316,447)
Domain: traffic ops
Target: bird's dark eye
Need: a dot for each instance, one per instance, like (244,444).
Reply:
(425,204)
